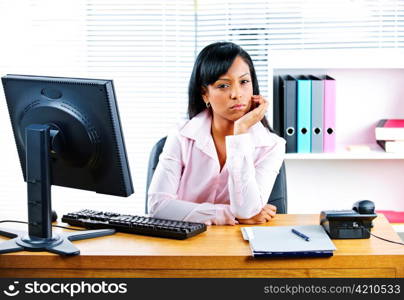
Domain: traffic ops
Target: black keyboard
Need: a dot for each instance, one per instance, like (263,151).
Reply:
(93,219)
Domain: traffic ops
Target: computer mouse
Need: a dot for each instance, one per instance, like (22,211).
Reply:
(54,216)
(365,207)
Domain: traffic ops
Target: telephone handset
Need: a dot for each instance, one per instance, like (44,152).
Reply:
(349,224)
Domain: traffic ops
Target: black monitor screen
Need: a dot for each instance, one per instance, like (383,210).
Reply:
(89,151)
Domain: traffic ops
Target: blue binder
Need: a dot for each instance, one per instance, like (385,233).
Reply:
(303,114)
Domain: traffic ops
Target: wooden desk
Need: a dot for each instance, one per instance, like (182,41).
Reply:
(219,252)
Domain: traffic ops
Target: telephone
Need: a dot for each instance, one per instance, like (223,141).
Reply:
(349,224)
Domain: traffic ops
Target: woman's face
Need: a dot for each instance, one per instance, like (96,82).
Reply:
(230,96)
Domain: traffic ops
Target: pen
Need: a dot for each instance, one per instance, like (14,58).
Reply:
(303,236)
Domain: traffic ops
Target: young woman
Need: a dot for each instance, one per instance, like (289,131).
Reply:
(220,166)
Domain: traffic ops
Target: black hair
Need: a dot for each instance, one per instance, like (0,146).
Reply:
(213,61)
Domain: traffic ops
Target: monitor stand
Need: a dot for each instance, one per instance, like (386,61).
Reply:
(40,141)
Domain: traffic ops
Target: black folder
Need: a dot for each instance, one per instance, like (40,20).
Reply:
(288,99)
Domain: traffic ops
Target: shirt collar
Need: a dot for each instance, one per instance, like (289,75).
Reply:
(199,129)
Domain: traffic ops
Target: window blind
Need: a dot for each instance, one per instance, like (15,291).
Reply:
(148,48)
(242,22)
(37,38)
(328,24)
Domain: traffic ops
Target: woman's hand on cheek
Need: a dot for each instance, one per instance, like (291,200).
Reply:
(252,117)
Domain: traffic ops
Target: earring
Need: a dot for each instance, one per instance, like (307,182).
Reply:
(207,104)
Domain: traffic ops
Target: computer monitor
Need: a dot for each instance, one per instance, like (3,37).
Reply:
(68,133)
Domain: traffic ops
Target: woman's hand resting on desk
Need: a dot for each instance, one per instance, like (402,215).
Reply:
(267,213)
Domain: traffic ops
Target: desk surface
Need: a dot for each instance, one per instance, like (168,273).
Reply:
(218,252)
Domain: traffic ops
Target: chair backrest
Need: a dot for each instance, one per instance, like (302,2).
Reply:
(278,195)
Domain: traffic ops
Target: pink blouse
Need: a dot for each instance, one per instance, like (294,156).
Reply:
(189,186)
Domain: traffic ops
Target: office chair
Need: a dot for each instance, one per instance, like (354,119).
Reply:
(278,196)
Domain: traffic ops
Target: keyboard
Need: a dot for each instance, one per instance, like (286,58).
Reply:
(92,219)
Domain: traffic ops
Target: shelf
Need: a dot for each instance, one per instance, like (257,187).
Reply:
(368,89)
(363,97)
(344,154)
